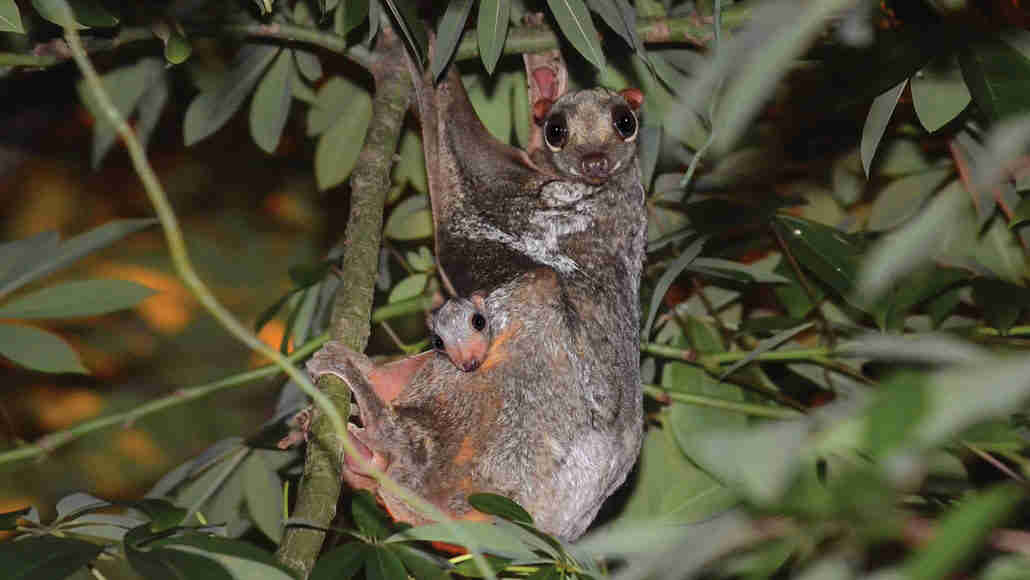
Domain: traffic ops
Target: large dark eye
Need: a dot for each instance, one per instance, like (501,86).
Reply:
(437,342)
(478,322)
(556,132)
(624,121)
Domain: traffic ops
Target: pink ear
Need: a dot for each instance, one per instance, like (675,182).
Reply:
(635,97)
(546,83)
(478,301)
(540,110)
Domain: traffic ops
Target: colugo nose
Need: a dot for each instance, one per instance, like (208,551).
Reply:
(595,165)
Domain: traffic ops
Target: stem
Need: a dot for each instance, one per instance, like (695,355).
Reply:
(724,404)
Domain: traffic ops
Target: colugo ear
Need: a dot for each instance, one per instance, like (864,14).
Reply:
(540,110)
(635,97)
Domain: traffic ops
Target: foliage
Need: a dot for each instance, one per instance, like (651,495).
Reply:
(834,304)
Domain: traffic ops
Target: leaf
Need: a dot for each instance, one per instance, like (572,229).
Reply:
(38,350)
(962,531)
(912,245)
(76,504)
(876,121)
(87,13)
(371,520)
(263,494)
(939,94)
(901,200)
(759,273)
(829,253)
(449,35)
(1001,301)
(271,103)
(492,29)
(150,106)
(577,26)
(342,563)
(765,345)
(45,557)
(10,18)
(409,287)
(649,142)
(1021,214)
(621,18)
(126,87)
(308,64)
(338,149)
(333,102)
(383,564)
(420,565)
(349,15)
(163,514)
(73,299)
(177,48)
(998,76)
(493,108)
(410,220)
(895,413)
(694,497)
(213,108)
(498,505)
(669,276)
(485,537)
(411,165)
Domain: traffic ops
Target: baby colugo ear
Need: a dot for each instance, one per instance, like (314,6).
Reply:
(478,301)
(540,110)
(634,97)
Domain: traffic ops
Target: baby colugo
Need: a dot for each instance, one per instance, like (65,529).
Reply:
(461,330)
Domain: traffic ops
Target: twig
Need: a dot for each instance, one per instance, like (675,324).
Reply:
(659,391)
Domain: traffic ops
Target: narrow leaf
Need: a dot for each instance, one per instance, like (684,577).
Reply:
(87,13)
(342,563)
(263,494)
(577,26)
(498,505)
(829,253)
(212,109)
(876,123)
(492,28)
(449,35)
(38,350)
(621,18)
(45,557)
(403,13)
(765,346)
(669,276)
(486,537)
(81,298)
(10,18)
(271,103)
(998,76)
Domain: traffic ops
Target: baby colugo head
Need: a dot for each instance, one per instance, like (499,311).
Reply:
(461,330)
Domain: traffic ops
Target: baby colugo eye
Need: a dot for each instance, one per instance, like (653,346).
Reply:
(556,132)
(624,121)
(437,342)
(478,321)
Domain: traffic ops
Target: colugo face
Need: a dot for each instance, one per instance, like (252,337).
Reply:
(461,330)
(590,135)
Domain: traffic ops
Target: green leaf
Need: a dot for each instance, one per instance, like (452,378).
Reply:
(163,514)
(493,108)
(263,494)
(409,287)
(910,291)
(87,13)
(10,18)
(38,350)
(150,106)
(77,504)
(349,15)
(694,497)
(342,563)
(338,149)
(498,505)
(486,537)
(383,564)
(1021,214)
(333,102)
(411,165)
(895,413)
(901,200)
(421,261)
(492,28)
(998,76)
(939,94)
(420,565)
(912,245)
(73,299)
(876,121)
(1001,301)
(45,557)
(759,273)
(621,18)
(829,253)
(577,26)
(649,142)
(211,109)
(449,35)
(765,345)
(271,103)
(307,63)
(962,531)
(669,276)
(177,48)
(370,519)
(126,87)
(410,220)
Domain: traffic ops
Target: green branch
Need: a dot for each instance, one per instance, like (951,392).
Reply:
(660,392)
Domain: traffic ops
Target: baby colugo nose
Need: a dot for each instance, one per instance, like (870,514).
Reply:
(469,366)
(595,165)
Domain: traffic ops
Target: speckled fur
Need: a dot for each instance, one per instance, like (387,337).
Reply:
(553,417)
